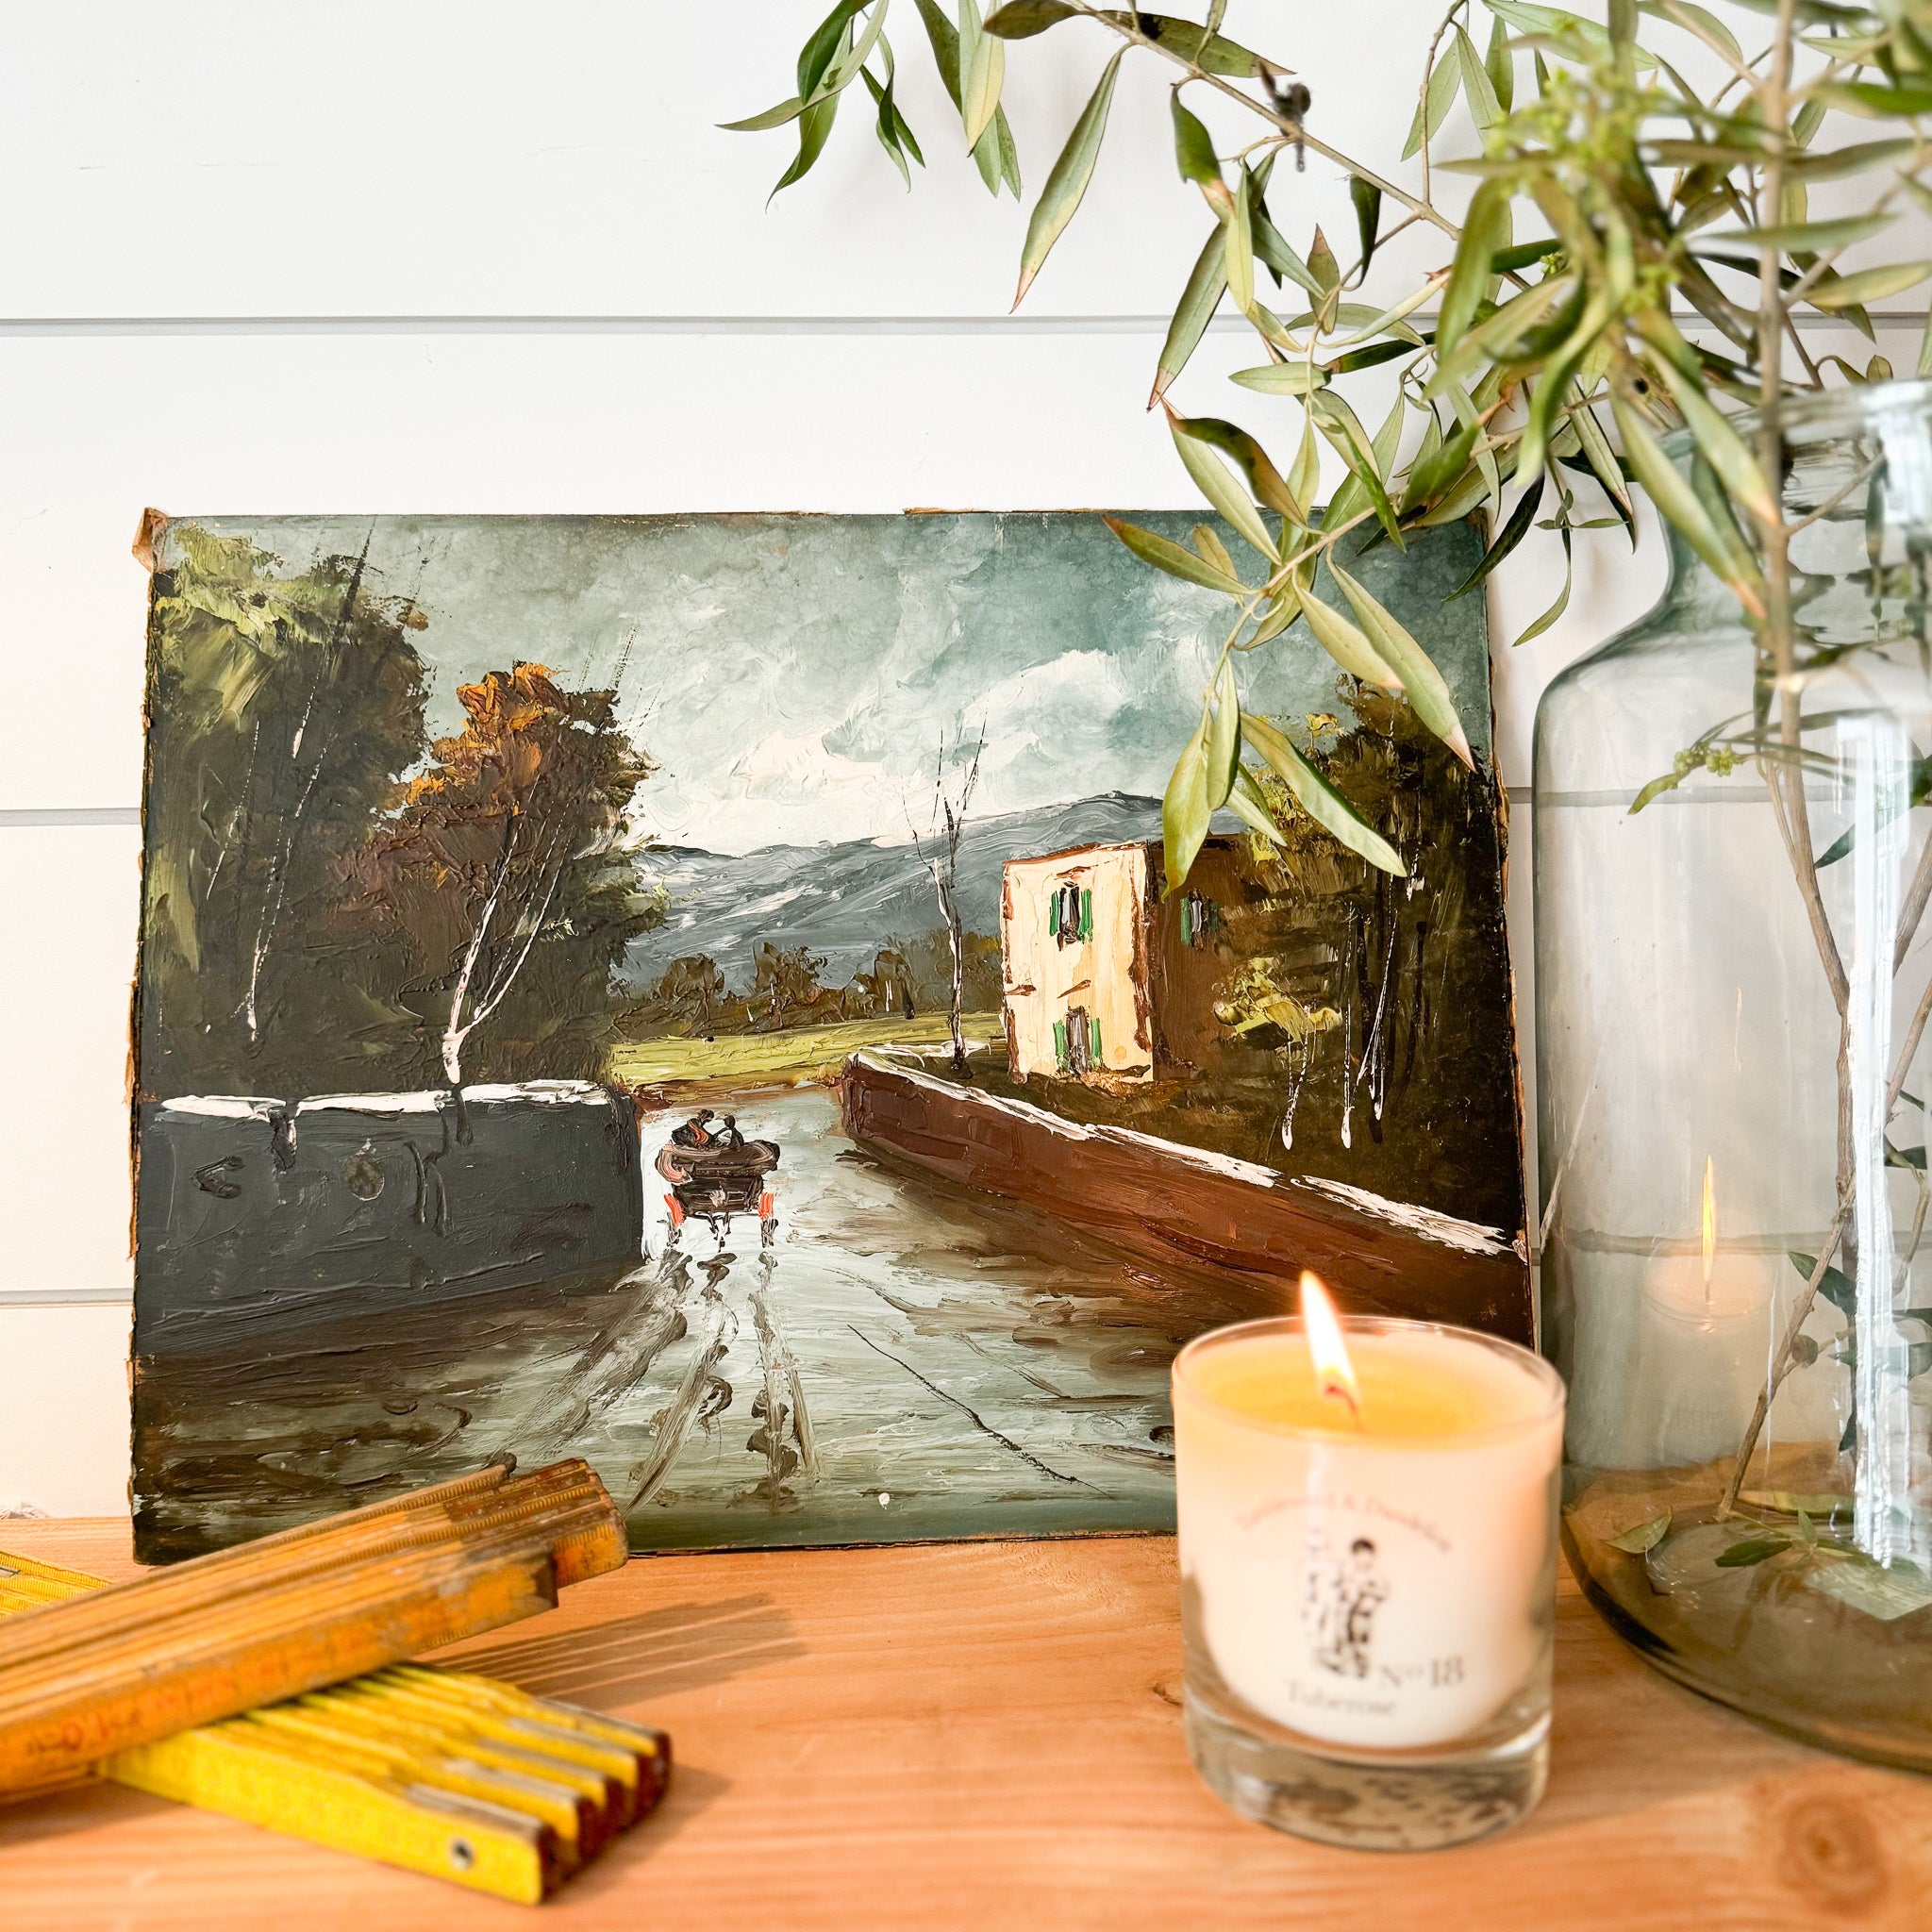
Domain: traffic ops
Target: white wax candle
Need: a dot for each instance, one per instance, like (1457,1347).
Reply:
(1382,1580)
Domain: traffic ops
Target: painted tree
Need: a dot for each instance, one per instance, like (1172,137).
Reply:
(939,852)
(507,872)
(283,706)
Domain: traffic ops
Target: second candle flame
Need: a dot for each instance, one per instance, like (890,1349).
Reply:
(1710,1223)
(1326,1349)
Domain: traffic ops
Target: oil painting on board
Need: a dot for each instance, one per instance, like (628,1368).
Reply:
(703,993)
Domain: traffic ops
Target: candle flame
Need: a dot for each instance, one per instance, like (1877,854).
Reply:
(1329,1352)
(1710,1222)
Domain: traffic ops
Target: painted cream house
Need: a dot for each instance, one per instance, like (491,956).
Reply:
(1072,946)
(1106,980)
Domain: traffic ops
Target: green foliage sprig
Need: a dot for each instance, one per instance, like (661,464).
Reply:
(1557,361)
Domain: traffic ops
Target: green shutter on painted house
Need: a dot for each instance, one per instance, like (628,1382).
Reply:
(1086,913)
(1187,921)
(1053,915)
(1059,1044)
(1093,1041)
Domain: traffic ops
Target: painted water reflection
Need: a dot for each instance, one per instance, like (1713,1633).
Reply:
(902,1362)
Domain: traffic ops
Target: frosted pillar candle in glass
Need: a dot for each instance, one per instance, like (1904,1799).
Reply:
(1368,1588)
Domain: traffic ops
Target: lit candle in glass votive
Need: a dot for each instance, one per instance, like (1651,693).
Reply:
(1716,1285)
(1368,1548)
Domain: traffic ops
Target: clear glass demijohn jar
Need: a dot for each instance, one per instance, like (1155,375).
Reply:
(1732,956)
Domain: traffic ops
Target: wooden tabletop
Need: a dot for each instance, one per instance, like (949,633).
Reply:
(989,1736)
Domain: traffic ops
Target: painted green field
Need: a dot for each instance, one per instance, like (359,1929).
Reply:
(800,1052)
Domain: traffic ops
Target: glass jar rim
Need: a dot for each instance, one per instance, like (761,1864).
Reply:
(1542,1373)
(1825,413)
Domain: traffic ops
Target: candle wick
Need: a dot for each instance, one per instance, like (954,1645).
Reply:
(1334,1386)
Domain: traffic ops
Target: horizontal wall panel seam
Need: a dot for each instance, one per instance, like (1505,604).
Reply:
(22,816)
(65,1298)
(15,816)
(113,325)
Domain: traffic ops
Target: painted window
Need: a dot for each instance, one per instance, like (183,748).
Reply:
(1200,916)
(1083,1037)
(1069,915)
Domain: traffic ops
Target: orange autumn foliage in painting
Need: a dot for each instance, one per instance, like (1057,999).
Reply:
(512,835)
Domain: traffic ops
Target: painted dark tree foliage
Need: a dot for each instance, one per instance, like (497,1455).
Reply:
(332,903)
(506,881)
(282,707)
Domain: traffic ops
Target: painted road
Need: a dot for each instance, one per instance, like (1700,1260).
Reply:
(903,1360)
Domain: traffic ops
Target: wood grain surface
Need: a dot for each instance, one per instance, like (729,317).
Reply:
(988,1735)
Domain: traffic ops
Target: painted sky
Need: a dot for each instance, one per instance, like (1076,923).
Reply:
(795,675)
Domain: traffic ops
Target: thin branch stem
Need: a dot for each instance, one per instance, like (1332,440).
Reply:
(1133,35)
(1801,1313)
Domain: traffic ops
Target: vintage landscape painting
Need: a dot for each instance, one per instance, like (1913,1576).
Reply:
(701,992)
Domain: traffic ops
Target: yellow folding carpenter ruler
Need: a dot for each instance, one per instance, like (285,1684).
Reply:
(434,1770)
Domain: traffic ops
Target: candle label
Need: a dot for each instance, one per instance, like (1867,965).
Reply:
(1352,1617)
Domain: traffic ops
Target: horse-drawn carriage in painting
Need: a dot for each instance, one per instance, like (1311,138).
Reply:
(715,1172)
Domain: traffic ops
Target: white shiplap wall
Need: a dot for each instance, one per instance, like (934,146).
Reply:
(497,258)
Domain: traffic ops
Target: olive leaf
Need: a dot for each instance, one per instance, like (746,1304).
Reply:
(1434,471)
(1752,1550)
(1305,472)
(1501,63)
(1368,215)
(1282,613)
(816,57)
(1185,810)
(1211,550)
(1834,1284)
(1238,237)
(1250,804)
(1283,378)
(1346,644)
(1211,52)
(1273,251)
(1675,499)
(1795,237)
(1477,89)
(1224,745)
(1885,1592)
(1422,683)
(983,72)
(771,117)
(1164,554)
(1066,184)
(1433,109)
(1217,484)
(1715,32)
(1841,161)
(1874,102)
(1722,447)
(814,130)
(1485,231)
(1537,627)
(1870,285)
(1319,798)
(1322,266)
(1646,1536)
(994,153)
(1193,154)
(1508,538)
(1344,430)
(1019,20)
(1264,480)
(892,128)
(1198,302)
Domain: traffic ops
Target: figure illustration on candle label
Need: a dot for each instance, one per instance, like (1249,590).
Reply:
(1338,1604)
